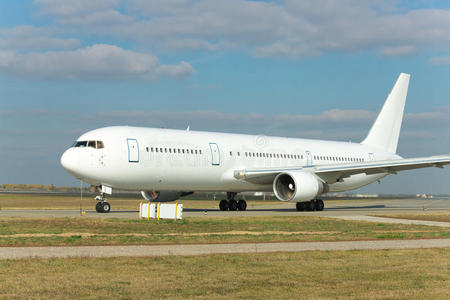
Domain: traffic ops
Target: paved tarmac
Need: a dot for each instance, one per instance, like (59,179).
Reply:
(205,249)
(333,208)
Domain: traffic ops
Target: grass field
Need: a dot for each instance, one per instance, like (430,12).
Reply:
(89,231)
(438,217)
(388,274)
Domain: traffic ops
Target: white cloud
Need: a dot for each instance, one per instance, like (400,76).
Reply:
(334,124)
(64,8)
(418,134)
(286,29)
(26,38)
(442,60)
(96,62)
(100,18)
(398,50)
(183,69)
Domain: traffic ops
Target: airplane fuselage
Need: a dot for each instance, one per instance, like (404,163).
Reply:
(137,158)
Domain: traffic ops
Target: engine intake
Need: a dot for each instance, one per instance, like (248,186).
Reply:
(298,186)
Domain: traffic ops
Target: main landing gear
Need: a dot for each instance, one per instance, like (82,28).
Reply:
(312,205)
(232,204)
(102,206)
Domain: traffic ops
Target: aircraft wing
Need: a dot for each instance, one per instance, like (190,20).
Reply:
(335,172)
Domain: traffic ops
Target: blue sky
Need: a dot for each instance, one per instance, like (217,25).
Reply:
(289,68)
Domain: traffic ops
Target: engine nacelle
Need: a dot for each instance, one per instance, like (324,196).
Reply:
(163,196)
(298,186)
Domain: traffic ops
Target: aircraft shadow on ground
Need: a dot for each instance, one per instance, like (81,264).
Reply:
(288,209)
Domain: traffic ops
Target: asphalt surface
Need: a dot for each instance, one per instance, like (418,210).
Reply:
(205,249)
(333,208)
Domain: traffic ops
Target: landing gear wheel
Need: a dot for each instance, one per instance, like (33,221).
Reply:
(242,205)
(232,205)
(319,205)
(223,205)
(98,207)
(310,205)
(300,206)
(106,207)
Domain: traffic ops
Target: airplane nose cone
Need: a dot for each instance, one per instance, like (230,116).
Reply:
(69,161)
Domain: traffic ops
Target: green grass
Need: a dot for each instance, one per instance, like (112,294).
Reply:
(89,231)
(381,274)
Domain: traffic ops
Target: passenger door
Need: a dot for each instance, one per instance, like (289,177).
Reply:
(215,154)
(133,150)
(308,158)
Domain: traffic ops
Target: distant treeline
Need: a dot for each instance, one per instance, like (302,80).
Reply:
(39,187)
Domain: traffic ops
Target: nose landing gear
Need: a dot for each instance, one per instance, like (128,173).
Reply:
(102,206)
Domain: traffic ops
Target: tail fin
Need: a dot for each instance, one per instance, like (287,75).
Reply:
(386,129)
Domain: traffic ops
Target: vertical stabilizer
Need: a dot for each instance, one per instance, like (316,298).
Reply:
(386,129)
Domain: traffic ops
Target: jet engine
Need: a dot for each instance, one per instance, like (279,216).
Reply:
(163,196)
(298,186)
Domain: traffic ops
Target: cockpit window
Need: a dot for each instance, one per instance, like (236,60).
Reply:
(92,144)
(80,144)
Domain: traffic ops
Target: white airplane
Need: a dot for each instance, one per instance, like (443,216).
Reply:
(166,164)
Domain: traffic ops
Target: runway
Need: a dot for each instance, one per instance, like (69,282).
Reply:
(333,208)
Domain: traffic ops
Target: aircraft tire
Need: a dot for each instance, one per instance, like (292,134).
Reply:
(310,205)
(99,207)
(106,207)
(223,205)
(242,205)
(300,206)
(319,205)
(232,205)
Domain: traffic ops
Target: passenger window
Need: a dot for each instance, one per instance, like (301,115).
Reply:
(146,148)
(200,151)
(151,149)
